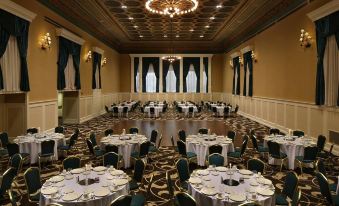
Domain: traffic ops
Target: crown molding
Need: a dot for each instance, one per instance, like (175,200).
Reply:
(17,10)
(324,10)
(235,54)
(98,50)
(246,49)
(69,35)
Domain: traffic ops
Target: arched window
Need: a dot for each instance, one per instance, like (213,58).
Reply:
(191,80)
(171,80)
(151,80)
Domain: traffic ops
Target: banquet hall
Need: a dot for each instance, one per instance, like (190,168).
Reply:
(169,102)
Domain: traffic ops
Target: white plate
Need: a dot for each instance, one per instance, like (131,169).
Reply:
(59,184)
(117,172)
(206,178)
(109,177)
(209,191)
(202,172)
(245,172)
(101,192)
(120,182)
(221,169)
(57,178)
(264,181)
(253,183)
(71,196)
(68,190)
(237,197)
(195,180)
(77,171)
(265,192)
(99,168)
(49,190)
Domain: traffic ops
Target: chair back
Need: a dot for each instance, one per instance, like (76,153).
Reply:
(12,149)
(71,162)
(115,110)
(291,184)
(125,109)
(90,146)
(59,129)
(244,144)
(72,140)
(296,198)
(190,109)
(273,149)
(298,133)
(226,110)
(203,131)
(152,110)
(182,135)
(214,109)
(310,153)
(111,158)
(133,130)
(182,148)
(231,135)
(254,142)
(139,169)
(154,135)
(169,185)
(47,147)
(321,142)
(183,169)
(274,131)
(215,149)
(16,162)
(4,139)
(320,166)
(111,148)
(122,200)
(324,187)
(144,147)
(236,109)
(216,159)
(32,131)
(185,199)
(7,179)
(172,141)
(32,180)
(256,165)
(108,132)
(93,139)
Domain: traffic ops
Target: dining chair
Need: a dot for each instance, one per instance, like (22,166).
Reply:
(215,149)
(12,197)
(290,186)
(298,133)
(325,190)
(183,172)
(7,180)
(143,151)
(182,135)
(125,111)
(47,151)
(59,129)
(32,130)
(182,151)
(170,187)
(274,152)
(152,112)
(133,130)
(16,162)
(321,143)
(184,199)
(256,165)
(259,148)
(4,139)
(226,112)
(122,200)
(154,137)
(310,157)
(93,139)
(71,162)
(139,169)
(235,112)
(203,131)
(231,134)
(320,167)
(190,111)
(97,153)
(108,132)
(13,149)
(215,112)
(108,111)
(71,143)
(111,148)
(138,200)
(112,158)
(33,184)
(115,112)
(239,154)
(296,198)
(274,131)
(216,159)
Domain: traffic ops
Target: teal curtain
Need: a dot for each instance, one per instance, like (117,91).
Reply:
(236,67)
(66,48)
(136,68)
(96,65)
(205,60)
(248,67)
(165,68)
(187,61)
(146,61)
(325,27)
(18,27)
(176,67)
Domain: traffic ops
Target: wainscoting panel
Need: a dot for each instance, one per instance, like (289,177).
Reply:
(43,114)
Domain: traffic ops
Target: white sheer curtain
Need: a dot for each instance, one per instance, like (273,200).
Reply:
(70,74)
(235,80)
(137,81)
(204,81)
(10,64)
(151,80)
(191,80)
(331,71)
(97,84)
(171,80)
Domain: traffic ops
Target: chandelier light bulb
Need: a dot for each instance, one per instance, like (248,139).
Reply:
(171,8)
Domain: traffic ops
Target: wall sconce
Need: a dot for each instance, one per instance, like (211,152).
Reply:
(46,41)
(254,57)
(231,63)
(89,56)
(241,61)
(104,61)
(305,39)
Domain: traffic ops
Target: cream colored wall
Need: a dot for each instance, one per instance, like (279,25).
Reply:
(216,73)
(284,69)
(125,73)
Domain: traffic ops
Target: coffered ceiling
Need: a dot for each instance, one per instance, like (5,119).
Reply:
(216,25)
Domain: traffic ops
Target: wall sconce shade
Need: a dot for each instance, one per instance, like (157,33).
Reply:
(104,61)
(231,63)
(46,41)
(89,56)
(254,57)
(305,39)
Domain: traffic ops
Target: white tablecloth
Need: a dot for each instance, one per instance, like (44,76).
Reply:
(31,144)
(242,188)
(289,147)
(105,179)
(126,147)
(198,145)
(186,108)
(157,110)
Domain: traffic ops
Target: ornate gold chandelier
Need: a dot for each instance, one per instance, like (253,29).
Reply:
(171,7)
(171,58)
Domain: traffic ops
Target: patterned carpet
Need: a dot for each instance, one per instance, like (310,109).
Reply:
(167,157)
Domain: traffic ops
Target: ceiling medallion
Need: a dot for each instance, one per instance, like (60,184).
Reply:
(171,7)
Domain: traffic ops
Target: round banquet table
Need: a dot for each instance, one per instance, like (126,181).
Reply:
(157,110)
(127,144)
(210,183)
(199,145)
(292,146)
(186,108)
(31,144)
(70,185)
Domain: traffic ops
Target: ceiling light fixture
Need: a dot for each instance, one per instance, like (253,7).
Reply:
(207,26)
(171,7)
(201,36)
(212,18)
(165,36)
(141,36)
(130,18)
(191,30)
(123,6)
(135,26)
(177,36)
(219,6)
